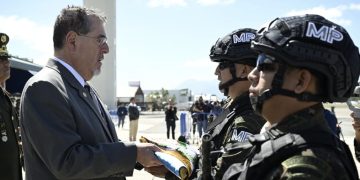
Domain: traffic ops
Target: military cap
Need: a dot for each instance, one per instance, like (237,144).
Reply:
(4,39)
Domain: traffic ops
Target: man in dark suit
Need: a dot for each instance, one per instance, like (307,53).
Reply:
(67,133)
(121,112)
(10,166)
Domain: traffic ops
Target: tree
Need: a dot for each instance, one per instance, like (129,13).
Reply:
(159,99)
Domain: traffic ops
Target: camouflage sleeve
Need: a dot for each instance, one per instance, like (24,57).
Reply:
(227,159)
(306,167)
(242,127)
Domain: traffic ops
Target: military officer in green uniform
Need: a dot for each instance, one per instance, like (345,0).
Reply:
(235,61)
(10,166)
(303,61)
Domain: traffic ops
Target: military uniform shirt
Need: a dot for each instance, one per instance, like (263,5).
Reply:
(245,122)
(10,167)
(237,126)
(314,162)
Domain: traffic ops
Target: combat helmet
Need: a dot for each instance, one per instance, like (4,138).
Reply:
(317,44)
(231,49)
(235,47)
(4,39)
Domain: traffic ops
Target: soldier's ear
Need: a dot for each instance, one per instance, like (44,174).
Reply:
(245,70)
(305,82)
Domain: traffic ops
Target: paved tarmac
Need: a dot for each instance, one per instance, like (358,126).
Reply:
(151,125)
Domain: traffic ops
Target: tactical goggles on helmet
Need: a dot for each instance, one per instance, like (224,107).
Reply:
(266,62)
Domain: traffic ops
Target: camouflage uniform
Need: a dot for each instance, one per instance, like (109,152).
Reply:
(308,162)
(10,166)
(238,120)
(10,163)
(300,145)
(240,123)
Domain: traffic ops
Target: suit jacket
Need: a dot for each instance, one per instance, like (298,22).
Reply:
(10,166)
(64,134)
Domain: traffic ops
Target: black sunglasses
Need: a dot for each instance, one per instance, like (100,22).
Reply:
(224,65)
(265,63)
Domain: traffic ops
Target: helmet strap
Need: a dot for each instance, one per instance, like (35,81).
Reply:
(257,102)
(225,86)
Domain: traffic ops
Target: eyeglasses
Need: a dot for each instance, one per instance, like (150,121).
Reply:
(224,65)
(265,63)
(102,40)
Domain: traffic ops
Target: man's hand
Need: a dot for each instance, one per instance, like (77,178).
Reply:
(146,154)
(158,171)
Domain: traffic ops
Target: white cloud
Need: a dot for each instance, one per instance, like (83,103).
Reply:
(334,14)
(214,2)
(37,38)
(166,3)
(355,6)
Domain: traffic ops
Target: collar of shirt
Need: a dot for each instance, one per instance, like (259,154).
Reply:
(72,70)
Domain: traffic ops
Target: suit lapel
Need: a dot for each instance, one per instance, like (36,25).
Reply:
(105,121)
(83,94)
(108,121)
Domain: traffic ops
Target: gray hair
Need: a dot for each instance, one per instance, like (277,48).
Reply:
(73,18)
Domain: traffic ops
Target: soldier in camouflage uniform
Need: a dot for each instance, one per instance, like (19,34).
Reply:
(303,61)
(238,120)
(10,163)
(236,60)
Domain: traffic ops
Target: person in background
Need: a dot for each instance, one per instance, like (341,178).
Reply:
(10,150)
(332,122)
(121,112)
(170,118)
(66,131)
(194,116)
(356,126)
(216,110)
(134,115)
(201,119)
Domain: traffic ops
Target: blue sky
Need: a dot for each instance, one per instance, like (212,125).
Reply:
(163,43)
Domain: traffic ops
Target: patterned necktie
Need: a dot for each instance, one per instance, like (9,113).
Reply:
(94,98)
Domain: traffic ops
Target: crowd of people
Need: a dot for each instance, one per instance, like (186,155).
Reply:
(272,126)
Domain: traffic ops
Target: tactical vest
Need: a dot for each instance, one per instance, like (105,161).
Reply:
(268,150)
(219,134)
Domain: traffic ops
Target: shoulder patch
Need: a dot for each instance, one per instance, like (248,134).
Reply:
(240,137)
(239,120)
(306,166)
